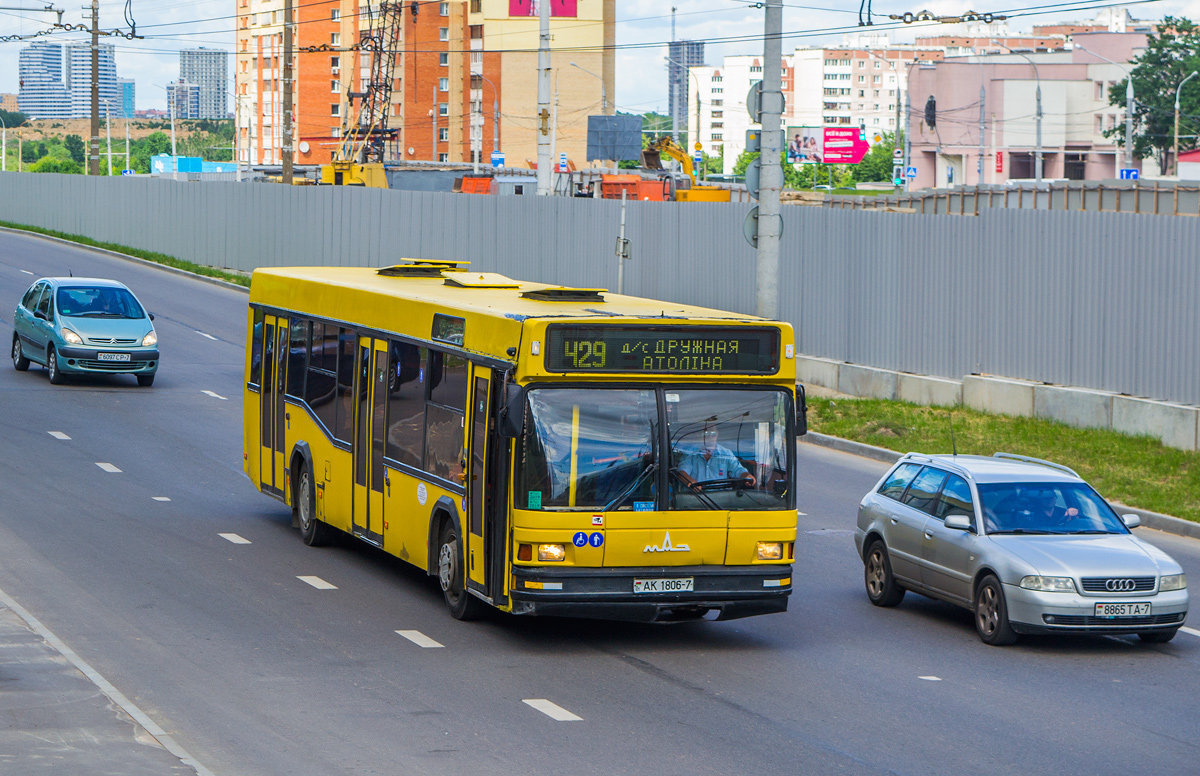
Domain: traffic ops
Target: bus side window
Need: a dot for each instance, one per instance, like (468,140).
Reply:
(406,403)
(344,421)
(297,355)
(445,415)
(255,349)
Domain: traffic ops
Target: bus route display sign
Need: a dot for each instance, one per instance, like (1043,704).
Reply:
(672,349)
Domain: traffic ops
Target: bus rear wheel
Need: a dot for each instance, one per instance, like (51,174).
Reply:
(312,531)
(452,577)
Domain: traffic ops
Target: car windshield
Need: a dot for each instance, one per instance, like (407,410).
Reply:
(98,302)
(601,449)
(1046,508)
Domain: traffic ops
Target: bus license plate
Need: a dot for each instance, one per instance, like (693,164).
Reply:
(1123,610)
(112,356)
(683,585)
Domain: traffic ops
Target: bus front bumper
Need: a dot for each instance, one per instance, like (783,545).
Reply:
(609,594)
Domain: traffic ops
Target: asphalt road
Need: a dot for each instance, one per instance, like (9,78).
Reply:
(255,671)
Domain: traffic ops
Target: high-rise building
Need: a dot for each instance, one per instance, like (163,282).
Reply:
(183,100)
(79,77)
(208,69)
(453,61)
(683,54)
(43,85)
(128,94)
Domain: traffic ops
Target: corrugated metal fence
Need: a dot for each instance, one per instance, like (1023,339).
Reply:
(1100,300)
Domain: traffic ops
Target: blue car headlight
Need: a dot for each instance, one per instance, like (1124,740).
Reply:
(71,337)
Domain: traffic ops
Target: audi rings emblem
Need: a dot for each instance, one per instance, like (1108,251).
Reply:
(1120,585)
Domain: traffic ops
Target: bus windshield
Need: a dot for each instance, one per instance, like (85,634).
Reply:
(602,449)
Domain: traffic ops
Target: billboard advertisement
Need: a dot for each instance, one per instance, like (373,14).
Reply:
(566,8)
(804,145)
(844,145)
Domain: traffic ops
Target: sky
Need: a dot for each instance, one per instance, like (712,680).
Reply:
(729,27)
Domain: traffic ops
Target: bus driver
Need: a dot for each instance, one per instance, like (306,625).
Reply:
(711,462)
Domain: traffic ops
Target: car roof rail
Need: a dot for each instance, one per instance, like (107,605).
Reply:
(916,457)
(1028,459)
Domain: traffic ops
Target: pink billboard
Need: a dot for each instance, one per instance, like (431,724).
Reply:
(844,145)
(567,8)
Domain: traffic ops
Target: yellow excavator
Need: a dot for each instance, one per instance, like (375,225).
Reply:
(686,190)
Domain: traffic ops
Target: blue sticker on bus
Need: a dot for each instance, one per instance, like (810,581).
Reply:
(643,506)
(596,539)
(579,539)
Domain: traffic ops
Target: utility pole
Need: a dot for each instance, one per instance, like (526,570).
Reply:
(770,222)
(907,127)
(108,134)
(94,147)
(1129,121)
(543,93)
(127,167)
(1175,153)
(982,149)
(433,111)
(288,78)
(671,63)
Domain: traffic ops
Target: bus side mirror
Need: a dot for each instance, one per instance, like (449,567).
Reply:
(511,423)
(801,411)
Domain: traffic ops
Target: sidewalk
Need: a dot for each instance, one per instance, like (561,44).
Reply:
(56,720)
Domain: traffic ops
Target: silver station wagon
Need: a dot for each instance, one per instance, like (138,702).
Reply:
(1026,544)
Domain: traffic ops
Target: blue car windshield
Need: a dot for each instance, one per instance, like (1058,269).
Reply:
(98,302)
(1046,508)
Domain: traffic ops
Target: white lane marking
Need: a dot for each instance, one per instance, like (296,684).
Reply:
(234,538)
(420,639)
(930,678)
(202,334)
(108,467)
(802,514)
(106,687)
(215,395)
(1192,631)
(552,710)
(58,435)
(27,272)
(160,498)
(318,583)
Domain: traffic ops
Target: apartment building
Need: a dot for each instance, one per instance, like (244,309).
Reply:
(682,55)
(208,69)
(128,94)
(43,89)
(453,61)
(184,100)
(79,77)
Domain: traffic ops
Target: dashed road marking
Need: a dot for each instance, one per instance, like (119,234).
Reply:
(552,710)
(160,498)
(108,467)
(930,678)
(802,514)
(215,395)
(420,639)
(58,435)
(232,537)
(317,582)
(27,272)
(1192,631)
(202,334)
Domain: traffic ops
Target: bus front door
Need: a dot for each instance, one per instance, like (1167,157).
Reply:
(479,557)
(370,387)
(274,360)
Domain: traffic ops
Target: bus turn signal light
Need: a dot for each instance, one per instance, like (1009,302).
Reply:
(525,552)
(770,550)
(552,552)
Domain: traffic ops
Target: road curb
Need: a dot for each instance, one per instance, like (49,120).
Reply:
(1155,520)
(127,257)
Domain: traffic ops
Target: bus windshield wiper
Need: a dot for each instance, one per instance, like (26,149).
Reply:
(632,487)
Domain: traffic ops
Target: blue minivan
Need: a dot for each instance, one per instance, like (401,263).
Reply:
(84,326)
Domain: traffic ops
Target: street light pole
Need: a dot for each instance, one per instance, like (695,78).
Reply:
(1178,89)
(1128,104)
(603,89)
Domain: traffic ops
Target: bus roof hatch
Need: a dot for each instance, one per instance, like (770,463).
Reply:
(564,294)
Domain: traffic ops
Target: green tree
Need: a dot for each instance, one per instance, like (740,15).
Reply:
(54,164)
(1171,54)
(74,146)
(877,164)
(13,118)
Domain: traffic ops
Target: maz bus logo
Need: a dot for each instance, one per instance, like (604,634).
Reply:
(667,546)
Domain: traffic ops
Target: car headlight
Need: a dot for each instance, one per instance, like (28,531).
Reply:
(1172,582)
(150,339)
(552,552)
(770,550)
(72,337)
(1049,584)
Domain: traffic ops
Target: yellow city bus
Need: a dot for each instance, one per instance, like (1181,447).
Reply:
(544,450)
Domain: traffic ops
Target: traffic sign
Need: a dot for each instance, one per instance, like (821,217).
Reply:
(497,158)
(750,226)
(753,175)
(562,162)
(127,171)
(910,172)
(1129,174)
(698,146)
(754,102)
(897,153)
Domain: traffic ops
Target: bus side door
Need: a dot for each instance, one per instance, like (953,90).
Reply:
(370,390)
(479,559)
(274,372)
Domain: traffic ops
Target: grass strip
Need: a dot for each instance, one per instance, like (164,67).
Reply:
(157,258)
(1136,470)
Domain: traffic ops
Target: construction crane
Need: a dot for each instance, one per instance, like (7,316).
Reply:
(365,134)
(692,192)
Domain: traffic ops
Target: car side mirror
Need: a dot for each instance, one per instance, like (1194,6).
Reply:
(151,315)
(1131,521)
(801,411)
(958,522)
(511,422)
(40,314)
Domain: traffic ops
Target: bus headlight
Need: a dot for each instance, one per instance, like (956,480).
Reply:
(552,552)
(770,550)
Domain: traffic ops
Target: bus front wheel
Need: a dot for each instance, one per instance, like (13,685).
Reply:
(452,578)
(312,531)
